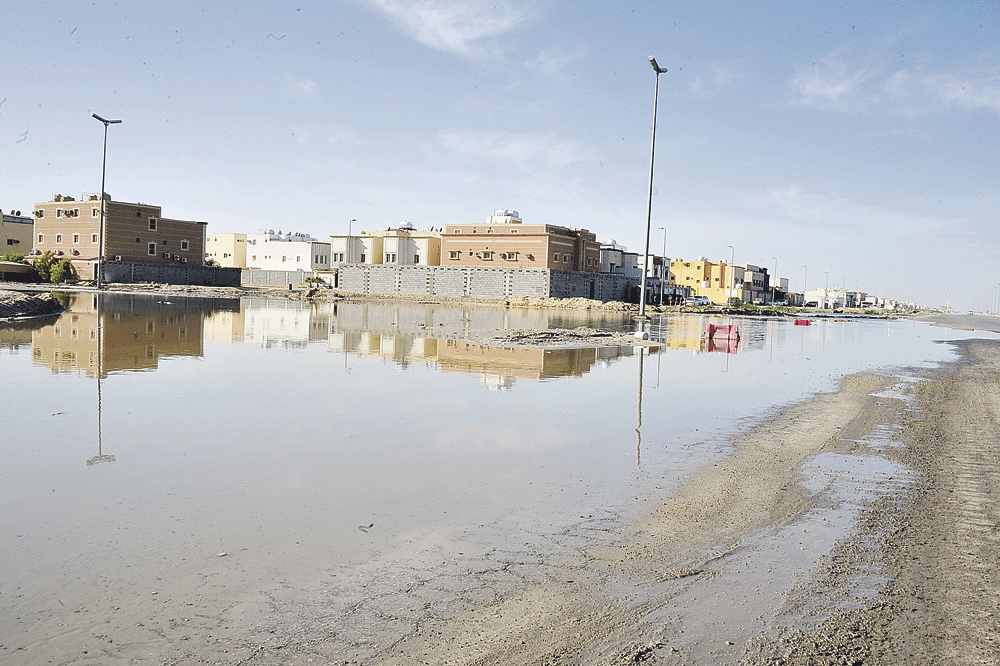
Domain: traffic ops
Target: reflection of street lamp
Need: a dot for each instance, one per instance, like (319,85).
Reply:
(649,200)
(663,263)
(104,164)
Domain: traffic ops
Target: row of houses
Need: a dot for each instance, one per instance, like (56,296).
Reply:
(138,233)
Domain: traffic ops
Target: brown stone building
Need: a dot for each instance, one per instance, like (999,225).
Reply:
(133,232)
(504,241)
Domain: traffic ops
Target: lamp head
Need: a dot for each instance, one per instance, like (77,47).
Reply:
(656,68)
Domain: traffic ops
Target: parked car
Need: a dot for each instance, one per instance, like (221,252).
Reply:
(812,304)
(697,300)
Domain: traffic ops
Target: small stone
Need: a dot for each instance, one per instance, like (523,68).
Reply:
(223,554)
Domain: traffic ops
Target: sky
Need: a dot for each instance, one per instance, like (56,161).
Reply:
(850,144)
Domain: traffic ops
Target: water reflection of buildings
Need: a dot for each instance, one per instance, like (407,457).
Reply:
(414,334)
(124,332)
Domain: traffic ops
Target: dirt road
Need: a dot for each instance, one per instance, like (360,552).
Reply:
(938,544)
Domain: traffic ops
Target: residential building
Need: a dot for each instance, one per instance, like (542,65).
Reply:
(227,250)
(504,241)
(290,251)
(15,233)
(402,246)
(719,281)
(616,258)
(133,232)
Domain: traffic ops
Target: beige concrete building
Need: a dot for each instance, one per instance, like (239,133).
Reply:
(133,232)
(15,233)
(228,250)
(504,241)
(402,246)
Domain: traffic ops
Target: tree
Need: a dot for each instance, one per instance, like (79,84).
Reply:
(15,257)
(43,265)
(60,271)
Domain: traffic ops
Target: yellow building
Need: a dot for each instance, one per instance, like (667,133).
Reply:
(15,233)
(228,250)
(721,282)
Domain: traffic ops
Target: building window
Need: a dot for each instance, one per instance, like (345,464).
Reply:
(253,258)
(513,231)
(76,238)
(59,238)
(10,241)
(39,213)
(298,259)
(458,231)
(555,257)
(58,212)
(184,245)
(508,255)
(152,249)
(41,238)
(362,258)
(95,212)
(152,224)
(76,212)
(284,258)
(565,258)
(390,257)
(93,238)
(487,255)
(416,258)
(454,254)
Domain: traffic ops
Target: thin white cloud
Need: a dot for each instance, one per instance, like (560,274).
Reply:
(552,61)
(966,91)
(455,26)
(521,150)
(830,83)
(304,88)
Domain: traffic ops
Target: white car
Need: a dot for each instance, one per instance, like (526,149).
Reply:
(697,300)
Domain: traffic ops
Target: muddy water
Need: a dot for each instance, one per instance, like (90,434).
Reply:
(197,477)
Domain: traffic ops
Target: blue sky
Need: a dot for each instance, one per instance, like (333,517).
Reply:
(859,140)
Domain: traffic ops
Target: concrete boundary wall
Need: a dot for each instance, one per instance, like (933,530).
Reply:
(476,282)
(208,276)
(273,278)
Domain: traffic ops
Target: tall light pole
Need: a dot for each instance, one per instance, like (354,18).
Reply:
(826,291)
(805,279)
(649,199)
(732,276)
(100,232)
(843,288)
(773,278)
(349,244)
(663,263)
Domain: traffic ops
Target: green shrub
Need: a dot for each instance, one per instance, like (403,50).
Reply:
(15,257)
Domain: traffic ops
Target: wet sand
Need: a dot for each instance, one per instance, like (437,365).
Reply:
(746,562)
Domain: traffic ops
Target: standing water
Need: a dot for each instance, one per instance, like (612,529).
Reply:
(201,475)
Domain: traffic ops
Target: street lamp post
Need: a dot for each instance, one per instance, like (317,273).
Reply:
(773,278)
(664,266)
(805,279)
(349,244)
(732,276)
(826,291)
(649,199)
(100,231)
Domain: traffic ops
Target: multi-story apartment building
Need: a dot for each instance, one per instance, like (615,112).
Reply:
(133,232)
(290,251)
(402,246)
(15,233)
(227,250)
(504,241)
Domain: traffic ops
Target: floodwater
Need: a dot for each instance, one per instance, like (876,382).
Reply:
(263,462)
